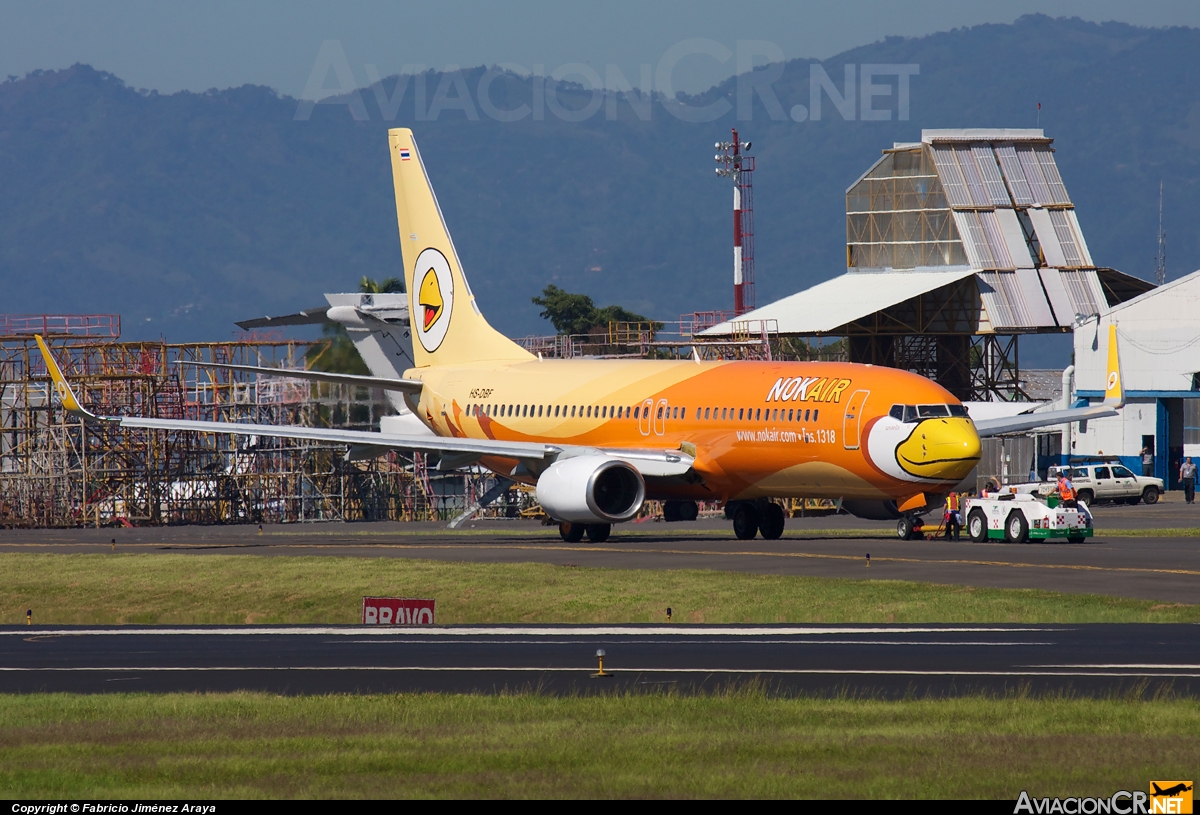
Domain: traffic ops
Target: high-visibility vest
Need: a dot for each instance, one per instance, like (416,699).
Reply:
(952,502)
(1065,491)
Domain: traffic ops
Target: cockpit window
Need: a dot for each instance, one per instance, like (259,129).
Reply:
(915,413)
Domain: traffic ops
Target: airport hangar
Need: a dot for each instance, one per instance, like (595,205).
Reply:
(959,244)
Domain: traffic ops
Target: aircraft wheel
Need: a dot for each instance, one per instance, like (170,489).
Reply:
(745,521)
(771,524)
(904,528)
(598,533)
(1016,528)
(688,510)
(571,533)
(1150,495)
(670,511)
(977,526)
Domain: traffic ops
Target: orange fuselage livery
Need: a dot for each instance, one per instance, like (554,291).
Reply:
(756,429)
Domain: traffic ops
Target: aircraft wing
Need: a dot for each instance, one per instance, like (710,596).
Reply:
(419,444)
(459,452)
(1114,400)
(405,385)
(1029,421)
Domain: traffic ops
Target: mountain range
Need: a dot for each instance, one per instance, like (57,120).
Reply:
(185,212)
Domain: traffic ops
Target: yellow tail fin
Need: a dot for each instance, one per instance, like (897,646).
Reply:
(447,326)
(1114,386)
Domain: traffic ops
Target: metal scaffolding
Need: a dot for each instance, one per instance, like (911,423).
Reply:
(56,471)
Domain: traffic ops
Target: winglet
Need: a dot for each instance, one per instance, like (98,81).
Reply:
(1114,388)
(69,402)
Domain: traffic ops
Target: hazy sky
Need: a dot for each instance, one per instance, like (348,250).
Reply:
(171,46)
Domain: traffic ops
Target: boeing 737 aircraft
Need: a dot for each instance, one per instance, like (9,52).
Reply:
(598,437)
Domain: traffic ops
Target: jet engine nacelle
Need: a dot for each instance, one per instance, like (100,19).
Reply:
(871,510)
(591,489)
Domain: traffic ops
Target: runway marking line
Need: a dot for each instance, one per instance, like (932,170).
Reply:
(511,669)
(707,642)
(476,631)
(619,550)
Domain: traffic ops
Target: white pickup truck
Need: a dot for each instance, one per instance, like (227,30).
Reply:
(1109,482)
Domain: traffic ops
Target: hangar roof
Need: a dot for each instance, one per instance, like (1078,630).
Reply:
(852,296)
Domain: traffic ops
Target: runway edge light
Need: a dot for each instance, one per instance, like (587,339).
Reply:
(601,672)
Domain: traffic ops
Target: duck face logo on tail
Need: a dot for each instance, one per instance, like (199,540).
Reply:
(433,299)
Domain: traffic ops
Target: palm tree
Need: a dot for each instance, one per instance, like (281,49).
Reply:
(389,285)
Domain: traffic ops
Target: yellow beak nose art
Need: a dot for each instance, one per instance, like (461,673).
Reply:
(945,449)
(430,299)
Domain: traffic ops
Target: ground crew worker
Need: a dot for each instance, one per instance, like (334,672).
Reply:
(953,523)
(1066,491)
(1187,474)
(1147,462)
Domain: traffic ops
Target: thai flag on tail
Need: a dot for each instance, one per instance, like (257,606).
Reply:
(405,155)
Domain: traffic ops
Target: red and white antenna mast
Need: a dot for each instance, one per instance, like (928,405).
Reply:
(740,167)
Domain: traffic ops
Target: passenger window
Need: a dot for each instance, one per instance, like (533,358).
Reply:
(706,410)
(790,412)
(806,415)
(1101,473)
(636,411)
(741,414)
(660,411)
(540,411)
(758,415)
(572,411)
(815,412)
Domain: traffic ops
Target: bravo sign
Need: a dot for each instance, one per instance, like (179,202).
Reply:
(397,611)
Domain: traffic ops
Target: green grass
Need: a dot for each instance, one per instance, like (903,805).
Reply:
(238,589)
(740,744)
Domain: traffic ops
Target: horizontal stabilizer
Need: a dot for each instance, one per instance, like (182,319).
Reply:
(404,385)
(310,316)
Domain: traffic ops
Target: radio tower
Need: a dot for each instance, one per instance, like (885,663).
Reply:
(740,168)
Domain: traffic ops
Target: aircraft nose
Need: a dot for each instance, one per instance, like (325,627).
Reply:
(945,449)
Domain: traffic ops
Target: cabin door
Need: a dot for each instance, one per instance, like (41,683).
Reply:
(851,424)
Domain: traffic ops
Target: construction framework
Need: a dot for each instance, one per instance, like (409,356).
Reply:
(56,471)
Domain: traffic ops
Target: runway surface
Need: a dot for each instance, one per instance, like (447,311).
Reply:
(1146,552)
(884,661)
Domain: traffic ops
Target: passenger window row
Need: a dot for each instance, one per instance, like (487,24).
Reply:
(620,412)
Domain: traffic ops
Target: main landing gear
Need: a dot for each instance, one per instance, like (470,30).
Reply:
(573,532)
(755,517)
